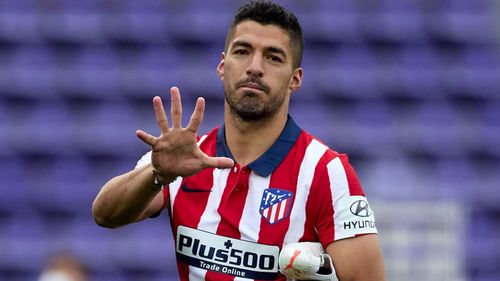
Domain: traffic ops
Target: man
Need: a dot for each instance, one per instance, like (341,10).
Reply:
(239,194)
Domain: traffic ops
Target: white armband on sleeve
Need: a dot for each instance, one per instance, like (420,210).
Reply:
(306,261)
(145,160)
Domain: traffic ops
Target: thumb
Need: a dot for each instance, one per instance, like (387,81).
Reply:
(219,162)
(146,138)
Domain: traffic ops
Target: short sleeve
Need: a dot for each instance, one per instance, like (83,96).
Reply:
(145,160)
(352,214)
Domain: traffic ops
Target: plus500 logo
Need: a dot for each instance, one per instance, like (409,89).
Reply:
(228,256)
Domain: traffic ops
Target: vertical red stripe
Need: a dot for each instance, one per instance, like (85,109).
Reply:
(319,207)
(288,203)
(352,179)
(189,206)
(284,177)
(231,211)
(278,210)
(269,212)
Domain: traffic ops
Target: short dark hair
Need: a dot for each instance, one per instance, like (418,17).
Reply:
(267,12)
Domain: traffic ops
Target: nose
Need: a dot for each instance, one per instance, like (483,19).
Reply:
(255,67)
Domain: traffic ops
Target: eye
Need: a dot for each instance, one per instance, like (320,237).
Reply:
(274,58)
(240,52)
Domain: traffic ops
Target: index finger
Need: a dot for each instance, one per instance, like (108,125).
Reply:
(197,116)
(161,116)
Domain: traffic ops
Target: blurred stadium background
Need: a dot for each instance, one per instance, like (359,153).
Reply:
(409,89)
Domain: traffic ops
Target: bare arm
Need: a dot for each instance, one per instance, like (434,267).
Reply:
(358,259)
(127,198)
(132,196)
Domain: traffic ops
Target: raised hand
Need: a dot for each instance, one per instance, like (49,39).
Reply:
(175,151)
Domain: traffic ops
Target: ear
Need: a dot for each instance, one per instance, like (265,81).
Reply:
(220,67)
(296,81)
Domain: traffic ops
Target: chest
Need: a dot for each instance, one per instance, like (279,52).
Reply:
(238,203)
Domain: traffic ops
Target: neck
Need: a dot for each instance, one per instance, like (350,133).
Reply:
(247,141)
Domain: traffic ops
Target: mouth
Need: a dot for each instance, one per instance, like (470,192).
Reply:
(252,86)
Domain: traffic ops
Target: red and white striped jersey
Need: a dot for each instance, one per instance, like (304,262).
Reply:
(230,224)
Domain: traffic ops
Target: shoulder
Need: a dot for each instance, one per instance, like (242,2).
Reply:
(332,165)
(209,138)
(316,146)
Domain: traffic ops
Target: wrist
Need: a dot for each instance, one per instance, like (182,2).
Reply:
(161,181)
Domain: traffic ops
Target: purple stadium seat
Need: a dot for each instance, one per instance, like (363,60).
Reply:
(205,26)
(79,6)
(417,73)
(137,27)
(409,87)
(463,26)
(23,244)
(109,129)
(454,178)
(133,253)
(13,190)
(341,5)
(97,71)
(198,73)
(6,75)
(32,72)
(402,6)
(331,26)
(147,6)
(490,129)
(4,130)
(219,6)
(152,72)
(351,71)
(464,5)
(319,120)
(19,26)
(309,90)
(480,68)
(70,25)
(22,227)
(397,178)
(394,27)
(21,5)
(93,74)
(84,237)
(437,127)
(316,68)
(105,250)
(61,186)
(118,276)
(374,128)
(471,27)
(45,128)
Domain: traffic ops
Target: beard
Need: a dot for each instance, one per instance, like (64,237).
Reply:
(251,107)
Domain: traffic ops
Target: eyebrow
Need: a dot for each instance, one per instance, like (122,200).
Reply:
(277,50)
(271,49)
(241,44)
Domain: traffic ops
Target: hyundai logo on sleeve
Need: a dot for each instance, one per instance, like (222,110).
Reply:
(361,208)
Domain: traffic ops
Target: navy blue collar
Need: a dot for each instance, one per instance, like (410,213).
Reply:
(269,161)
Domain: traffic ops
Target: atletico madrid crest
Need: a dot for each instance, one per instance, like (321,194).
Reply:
(276,204)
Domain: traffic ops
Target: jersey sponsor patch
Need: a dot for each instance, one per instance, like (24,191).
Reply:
(275,204)
(226,255)
(355,217)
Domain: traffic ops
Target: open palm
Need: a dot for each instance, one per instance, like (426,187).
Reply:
(175,151)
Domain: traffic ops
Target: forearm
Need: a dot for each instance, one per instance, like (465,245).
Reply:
(125,198)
